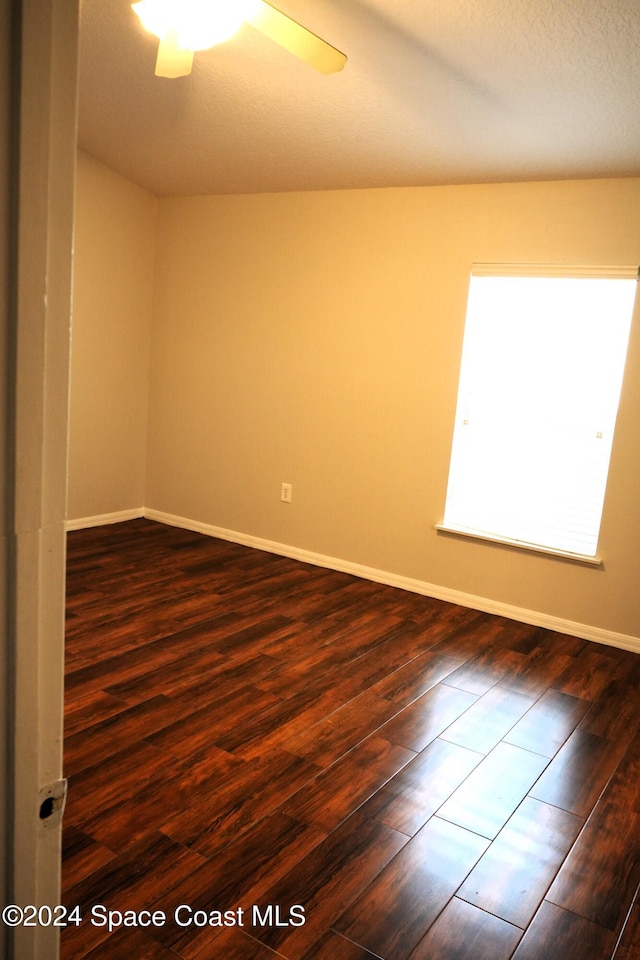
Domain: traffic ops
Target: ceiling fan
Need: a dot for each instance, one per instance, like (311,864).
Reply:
(184,26)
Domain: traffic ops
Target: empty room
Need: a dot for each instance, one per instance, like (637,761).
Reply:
(352,518)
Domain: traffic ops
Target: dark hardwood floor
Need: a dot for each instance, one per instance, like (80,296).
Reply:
(249,734)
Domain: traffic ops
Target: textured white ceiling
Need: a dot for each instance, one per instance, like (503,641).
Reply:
(434,91)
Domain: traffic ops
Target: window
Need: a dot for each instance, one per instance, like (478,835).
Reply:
(542,365)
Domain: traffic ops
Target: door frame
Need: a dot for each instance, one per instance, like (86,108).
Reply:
(44,94)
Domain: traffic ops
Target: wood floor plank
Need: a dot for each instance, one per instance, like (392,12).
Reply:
(104,663)
(230,944)
(130,882)
(126,944)
(589,674)
(165,680)
(251,791)
(481,673)
(154,801)
(288,678)
(491,793)
(295,644)
(407,801)
(579,772)
(488,720)
(480,632)
(394,912)
(89,710)
(427,717)
(539,671)
(441,620)
(333,875)
(602,872)
(232,676)
(563,643)
(259,630)
(555,932)
(244,739)
(106,738)
(463,932)
(82,856)
(514,874)
(410,681)
(209,725)
(308,710)
(245,728)
(239,874)
(117,638)
(340,789)
(546,726)
(350,646)
(629,946)
(326,741)
(114,669)
(104,785)
(406,642)
(615,714)
(333,946)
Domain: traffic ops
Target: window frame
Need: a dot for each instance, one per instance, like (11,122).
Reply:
(543,271)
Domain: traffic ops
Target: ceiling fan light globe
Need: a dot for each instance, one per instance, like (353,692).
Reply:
(196,24)
(155,16)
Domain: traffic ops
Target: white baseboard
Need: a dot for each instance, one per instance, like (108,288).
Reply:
(533,617)
(103,518)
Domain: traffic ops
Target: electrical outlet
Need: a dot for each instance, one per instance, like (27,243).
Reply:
(286,493)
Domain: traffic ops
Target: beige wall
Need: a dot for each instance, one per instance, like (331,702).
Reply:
(315,339)
(113,286)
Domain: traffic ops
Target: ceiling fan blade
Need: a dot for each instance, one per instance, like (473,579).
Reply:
(172,61)
(297,39)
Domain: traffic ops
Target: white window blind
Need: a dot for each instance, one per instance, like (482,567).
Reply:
(542,366)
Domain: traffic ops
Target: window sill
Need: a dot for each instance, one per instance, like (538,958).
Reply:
(520,545)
